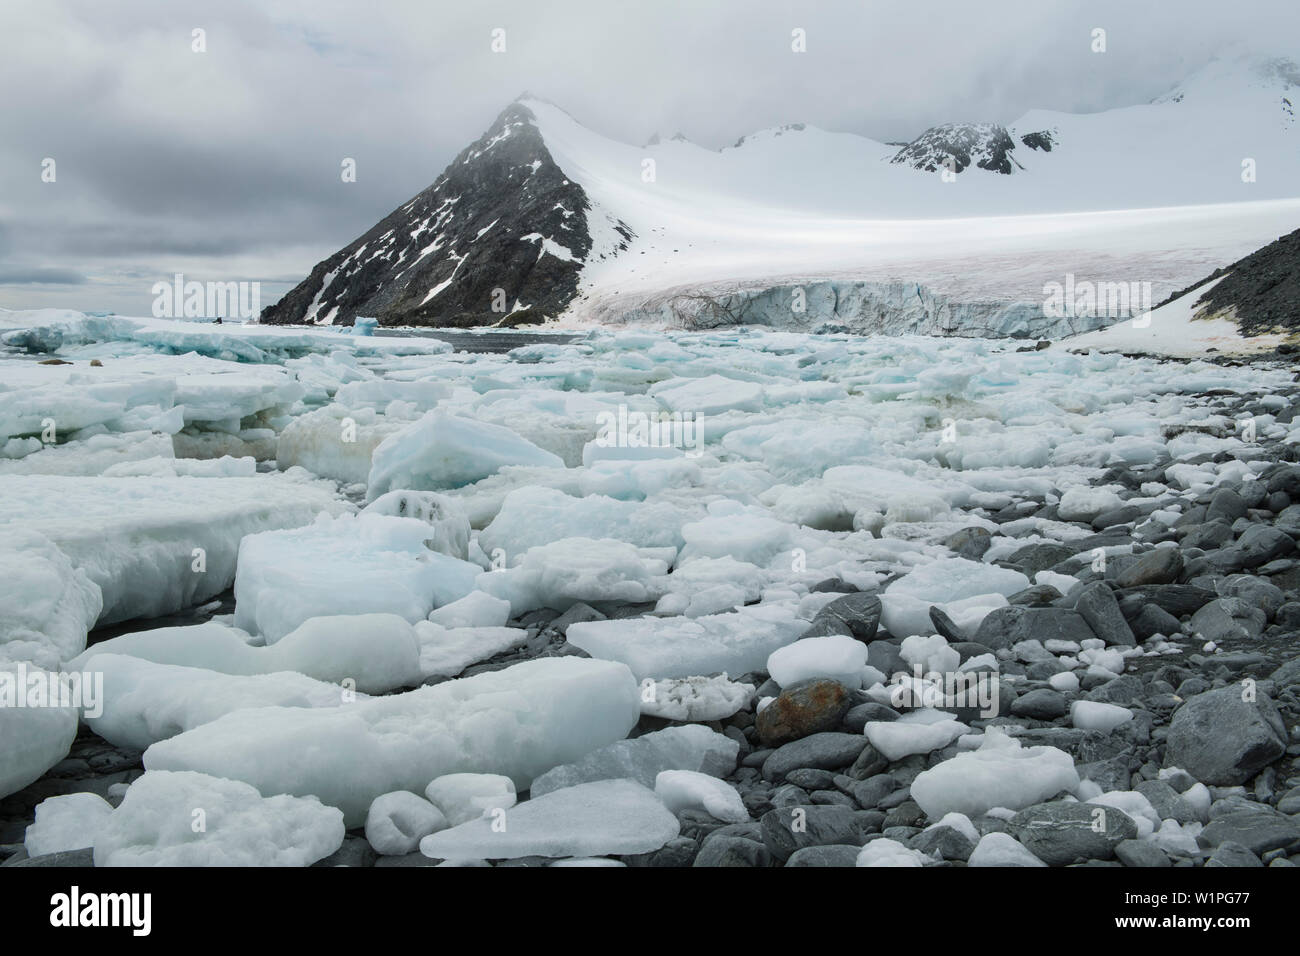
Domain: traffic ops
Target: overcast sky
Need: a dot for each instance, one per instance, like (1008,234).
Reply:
(224,165)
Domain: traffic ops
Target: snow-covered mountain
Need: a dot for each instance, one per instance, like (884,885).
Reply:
(542,217)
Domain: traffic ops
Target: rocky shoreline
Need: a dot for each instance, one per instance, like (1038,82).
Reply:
(1164,660)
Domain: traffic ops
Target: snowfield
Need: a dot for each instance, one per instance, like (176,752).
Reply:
(476,570)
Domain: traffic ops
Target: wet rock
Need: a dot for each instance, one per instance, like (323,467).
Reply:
(809,707)
(1228,618)
(970,543)
(1221,739)
(1006,626)
(1158,566)
(719,850)
(1262,543)
(1063,833)
(1096,604)
(834,855)
(1258,830)
(857,615)
(1233,854)
(821,751)
(789,829)
(1042,704)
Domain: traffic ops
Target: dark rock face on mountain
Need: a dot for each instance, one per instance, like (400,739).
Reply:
(499,239)
(1043,139)
(984,145)
(1261,292)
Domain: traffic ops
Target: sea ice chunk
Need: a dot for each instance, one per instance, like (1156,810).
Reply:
(520,722)
(154,826)
(999,774)
(146,702)
(46,605)
(397,821)
(1002,849)
(476,609)
(68,822)
(347,565)
(736,642)
(377,652)
(562,573)
(691,747)
(690,790)
(592,819)
(898,739)
(450,524)
(467,796)
(32,738)
(447,451)
(157,545)
(887,852)
(695,698)
(1098,715)
(835,656)
(445,652)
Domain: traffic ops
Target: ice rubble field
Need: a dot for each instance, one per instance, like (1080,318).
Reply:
(384,509)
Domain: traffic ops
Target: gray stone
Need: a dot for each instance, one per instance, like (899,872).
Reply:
(970,543)
(1232,854)
(1110,774)
(1290,802)
(1262,543)
(1152,620)
(822,751)
(869,762)
(1228,618)
(945,625)
(1140,853)
(1096,604)
(1223,740)
(1158,566)
(858,717)
(679,851)
(1042,704)
(833,855)
(1227,505)
(1063,833)
(1036,595)
(788,829)
(1006,626)
(1039,557)
(868,793)
(1168,802)
(810,779)
(1256,591)
(718,850)
(943,842)
(1177,599)
(1209,536)
(1259,829)
(857,615)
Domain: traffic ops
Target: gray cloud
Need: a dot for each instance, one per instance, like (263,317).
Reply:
(225,164)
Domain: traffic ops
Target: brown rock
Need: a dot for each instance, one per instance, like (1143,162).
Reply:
(809,707)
